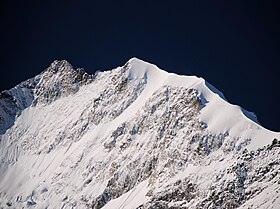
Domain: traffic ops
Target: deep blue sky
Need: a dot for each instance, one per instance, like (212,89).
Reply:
(234,44)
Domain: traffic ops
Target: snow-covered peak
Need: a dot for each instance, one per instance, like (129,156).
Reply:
(132,137)
(217,112)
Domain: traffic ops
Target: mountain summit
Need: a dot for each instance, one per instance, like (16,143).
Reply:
(133,137)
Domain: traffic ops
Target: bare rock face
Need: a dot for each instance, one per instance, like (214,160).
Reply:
(59,80)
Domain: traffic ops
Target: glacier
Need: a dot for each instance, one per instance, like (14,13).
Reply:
(132,137)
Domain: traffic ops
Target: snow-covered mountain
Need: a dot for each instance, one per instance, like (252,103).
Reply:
(133,137)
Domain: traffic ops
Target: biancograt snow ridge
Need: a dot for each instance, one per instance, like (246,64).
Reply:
(132,137)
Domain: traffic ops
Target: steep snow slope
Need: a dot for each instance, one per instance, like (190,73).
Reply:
(132,137)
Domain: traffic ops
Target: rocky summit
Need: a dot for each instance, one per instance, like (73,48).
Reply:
(135,137)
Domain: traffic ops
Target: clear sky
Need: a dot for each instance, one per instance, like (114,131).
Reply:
(233,44)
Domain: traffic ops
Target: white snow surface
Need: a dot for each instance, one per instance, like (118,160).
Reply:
(131,199)
(63,154)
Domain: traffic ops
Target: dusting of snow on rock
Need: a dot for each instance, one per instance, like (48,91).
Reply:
(135,137)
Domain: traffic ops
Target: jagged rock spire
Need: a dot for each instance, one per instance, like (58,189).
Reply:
(60,79)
